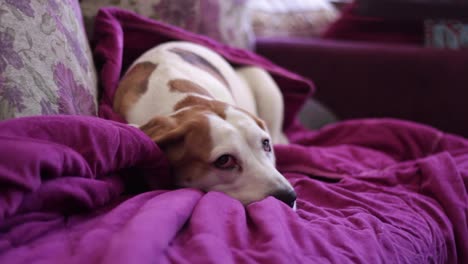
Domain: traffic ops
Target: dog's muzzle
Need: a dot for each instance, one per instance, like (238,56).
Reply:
(286,196)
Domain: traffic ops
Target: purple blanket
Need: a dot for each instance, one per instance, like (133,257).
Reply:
(369,191)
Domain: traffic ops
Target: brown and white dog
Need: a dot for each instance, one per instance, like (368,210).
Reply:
(203,115)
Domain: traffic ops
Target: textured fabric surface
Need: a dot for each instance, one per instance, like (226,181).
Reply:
(369,191)
(46,65)
(226,21)
(291,18)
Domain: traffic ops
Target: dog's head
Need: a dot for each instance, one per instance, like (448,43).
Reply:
(214,146)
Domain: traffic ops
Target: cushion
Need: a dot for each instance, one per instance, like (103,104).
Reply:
(225,21)
(46,64)
(291,18)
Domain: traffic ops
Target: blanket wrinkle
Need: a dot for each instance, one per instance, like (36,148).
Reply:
(28,227)
(147,219)
(442,190)
(72,194)
(381,212)
(404,140)
(37,162)
(43,168)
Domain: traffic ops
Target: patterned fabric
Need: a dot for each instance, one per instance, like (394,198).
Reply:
(226,21)
(46,65)
(291,18)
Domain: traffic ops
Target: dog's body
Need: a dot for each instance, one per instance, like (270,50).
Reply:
(203,114)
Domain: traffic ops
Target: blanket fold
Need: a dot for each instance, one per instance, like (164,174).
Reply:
(69,163)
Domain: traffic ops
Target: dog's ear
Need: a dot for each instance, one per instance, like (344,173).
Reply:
(163,130)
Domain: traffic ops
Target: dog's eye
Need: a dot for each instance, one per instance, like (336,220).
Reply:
(266,145)
(225,162)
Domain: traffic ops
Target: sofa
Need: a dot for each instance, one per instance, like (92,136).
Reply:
(72,171)
(372,62)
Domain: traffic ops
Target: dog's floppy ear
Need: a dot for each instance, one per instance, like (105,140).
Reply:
(163,130)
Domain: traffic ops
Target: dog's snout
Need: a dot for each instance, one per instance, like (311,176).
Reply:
(286,196)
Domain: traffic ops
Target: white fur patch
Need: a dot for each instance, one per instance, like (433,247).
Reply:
(241,137)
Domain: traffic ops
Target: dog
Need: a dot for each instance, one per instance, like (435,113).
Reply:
(215,124)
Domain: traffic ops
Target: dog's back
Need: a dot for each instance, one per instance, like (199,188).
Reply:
(170,72)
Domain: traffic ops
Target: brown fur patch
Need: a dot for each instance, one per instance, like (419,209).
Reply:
(132,86)
(257,120)
(200,62)
(185,139)
(215,106)
(200,103)
(186,86)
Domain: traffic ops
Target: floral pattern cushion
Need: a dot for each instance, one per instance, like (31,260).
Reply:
(291,18)
(226,21)
(46,64)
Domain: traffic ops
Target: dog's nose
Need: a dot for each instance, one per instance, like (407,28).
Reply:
(286,196)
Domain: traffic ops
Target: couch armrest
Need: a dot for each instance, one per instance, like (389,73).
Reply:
(357,80)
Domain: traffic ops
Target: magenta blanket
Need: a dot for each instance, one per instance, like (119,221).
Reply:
(369,191)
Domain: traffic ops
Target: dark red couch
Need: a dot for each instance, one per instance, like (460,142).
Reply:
(384,71)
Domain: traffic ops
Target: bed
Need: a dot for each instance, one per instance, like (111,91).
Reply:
(369,190)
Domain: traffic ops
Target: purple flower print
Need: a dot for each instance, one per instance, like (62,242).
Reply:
(72,39)
(12,94)
(7,53)
(73,97)
(76,48)
(75,7)
(54,7)
(181,13)
(22,5)
(46,108)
